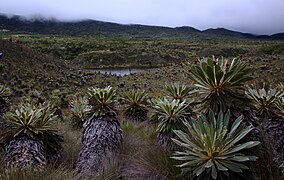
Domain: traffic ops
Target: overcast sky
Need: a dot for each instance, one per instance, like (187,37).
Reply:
(253,16)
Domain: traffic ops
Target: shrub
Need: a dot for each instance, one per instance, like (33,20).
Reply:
(220,83)
(136,105)
(178,90)
(212,148)
(81,109)
(266,100)
(103,100)
(36,122)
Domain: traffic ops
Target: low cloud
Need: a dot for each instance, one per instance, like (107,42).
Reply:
(253,16)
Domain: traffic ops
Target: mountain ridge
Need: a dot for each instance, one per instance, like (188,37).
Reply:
(41,25)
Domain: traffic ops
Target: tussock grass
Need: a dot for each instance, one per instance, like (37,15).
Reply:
(50,173)
(71,145)
(140,155)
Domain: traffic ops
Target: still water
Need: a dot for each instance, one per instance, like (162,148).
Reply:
(118,71)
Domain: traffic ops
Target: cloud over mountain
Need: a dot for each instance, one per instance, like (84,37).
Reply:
(253,16)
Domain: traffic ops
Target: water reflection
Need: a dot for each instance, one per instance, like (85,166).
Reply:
(118,71)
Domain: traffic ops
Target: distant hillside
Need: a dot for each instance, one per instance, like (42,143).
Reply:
(226,32)
(92,27)
(277,36)
(89,27)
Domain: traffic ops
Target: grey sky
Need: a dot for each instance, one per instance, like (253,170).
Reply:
(253,16)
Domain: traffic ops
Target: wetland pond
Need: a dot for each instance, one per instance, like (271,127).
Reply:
(118,71)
